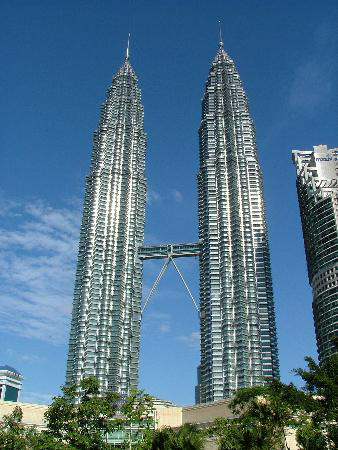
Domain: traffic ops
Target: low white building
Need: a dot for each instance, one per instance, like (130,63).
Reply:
(10,384)
(165,415)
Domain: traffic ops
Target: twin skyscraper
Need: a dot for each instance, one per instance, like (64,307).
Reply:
(237,319)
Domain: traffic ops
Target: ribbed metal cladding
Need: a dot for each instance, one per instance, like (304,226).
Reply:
(105,327)
(238,332)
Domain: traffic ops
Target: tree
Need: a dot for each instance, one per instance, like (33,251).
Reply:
(81,418)
(187,437)
(16,436)
(311,437)
(137,412)
(13,434)
(321,403)
(227,433)
(264,413)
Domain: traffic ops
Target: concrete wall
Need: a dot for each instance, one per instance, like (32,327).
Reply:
(32,414)
(168,416)
(204,414)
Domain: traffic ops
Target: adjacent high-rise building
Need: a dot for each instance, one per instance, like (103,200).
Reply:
(105,327)
(238,332)
(317,187)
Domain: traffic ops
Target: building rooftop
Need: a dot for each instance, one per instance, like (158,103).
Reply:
(10,369)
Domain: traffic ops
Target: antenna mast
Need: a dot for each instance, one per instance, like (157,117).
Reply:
(220,32)
(127,52)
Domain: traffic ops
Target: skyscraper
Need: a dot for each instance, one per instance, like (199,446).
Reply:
(317,187)
(105,327)
(238,332)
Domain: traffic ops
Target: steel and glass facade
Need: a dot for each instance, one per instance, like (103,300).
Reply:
(105,327)
(238,332)
(317,187)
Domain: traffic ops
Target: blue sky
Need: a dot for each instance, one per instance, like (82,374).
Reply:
(57,60)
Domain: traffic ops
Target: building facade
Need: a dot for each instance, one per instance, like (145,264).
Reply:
(317,187)
(105,327)
(238,332)
(10,384)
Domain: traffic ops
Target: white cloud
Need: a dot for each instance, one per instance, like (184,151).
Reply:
(158,315)
(34,359)
(7,207)
(315,75)
(164,328)
(312,84)
(178,196)
(191,340)
(36,398)
(37,263)
(152,196)
(156,320)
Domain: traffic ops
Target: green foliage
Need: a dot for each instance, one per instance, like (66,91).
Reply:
(81,418)
(321,404)
(311,437)
(137,411)
(264,413)
(227,433)
(16,436)
(187,437)
(322,386)
(246,433)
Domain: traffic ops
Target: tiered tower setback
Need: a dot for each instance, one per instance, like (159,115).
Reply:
(237,320)
(238,332)
(105,328)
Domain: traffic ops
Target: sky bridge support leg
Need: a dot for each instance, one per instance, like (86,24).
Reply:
(185,284)
(154,286)
(158,279)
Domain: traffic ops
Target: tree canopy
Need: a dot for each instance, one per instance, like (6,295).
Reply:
(81,418)
(264,414)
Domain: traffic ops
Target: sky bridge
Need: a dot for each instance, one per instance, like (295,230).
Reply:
(164,251)
(168,252)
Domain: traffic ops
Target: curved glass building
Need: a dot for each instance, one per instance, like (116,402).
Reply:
(317,187)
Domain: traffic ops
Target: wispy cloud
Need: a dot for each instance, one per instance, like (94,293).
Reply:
(36,398)
(8,207)
(26,357)
(164,328)
(37,262)
(159,321)
(152,239)
(152,196)
(31,358)
(315,75)
(178,196)
(191,340)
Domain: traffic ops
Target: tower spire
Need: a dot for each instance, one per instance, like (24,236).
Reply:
(220,33)
(127,52)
